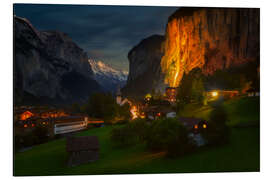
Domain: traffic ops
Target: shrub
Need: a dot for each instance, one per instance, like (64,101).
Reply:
(25,140)
(18,143)
(123,137)
(140,128)
(168,135)
(217,132)
(130,134)
(123,121)
(162,135)
(41,134)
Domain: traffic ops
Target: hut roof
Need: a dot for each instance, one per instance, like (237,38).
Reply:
(82,143)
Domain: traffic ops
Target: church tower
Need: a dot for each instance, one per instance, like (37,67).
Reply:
(118,96)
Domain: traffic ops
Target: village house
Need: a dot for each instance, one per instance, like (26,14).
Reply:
(194,126)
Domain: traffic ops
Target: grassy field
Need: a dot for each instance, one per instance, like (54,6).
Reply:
(242,111)
(241,154)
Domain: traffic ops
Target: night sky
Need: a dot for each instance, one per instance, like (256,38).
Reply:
(106,33)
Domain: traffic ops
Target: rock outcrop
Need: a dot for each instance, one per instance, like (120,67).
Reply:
(211,39)
(144,67)
(48,64)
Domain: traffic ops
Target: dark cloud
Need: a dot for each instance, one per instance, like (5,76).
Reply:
(105,32)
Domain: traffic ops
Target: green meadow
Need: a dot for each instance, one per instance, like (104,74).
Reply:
(241,154)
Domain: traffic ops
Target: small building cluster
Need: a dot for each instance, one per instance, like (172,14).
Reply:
(56,121)
(25,112)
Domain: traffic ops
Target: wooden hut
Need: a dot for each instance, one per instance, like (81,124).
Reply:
(82,150)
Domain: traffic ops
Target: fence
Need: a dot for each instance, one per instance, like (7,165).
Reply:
(69,127)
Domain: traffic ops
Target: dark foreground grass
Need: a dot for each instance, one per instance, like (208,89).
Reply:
(241,154)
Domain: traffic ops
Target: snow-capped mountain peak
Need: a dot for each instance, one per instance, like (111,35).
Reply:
(107,76)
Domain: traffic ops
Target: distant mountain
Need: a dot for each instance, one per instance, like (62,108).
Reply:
(49,67)
(109,78)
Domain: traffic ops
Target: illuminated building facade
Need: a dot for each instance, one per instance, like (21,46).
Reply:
(171,93)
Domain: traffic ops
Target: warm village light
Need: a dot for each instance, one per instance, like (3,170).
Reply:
(142,115)
(204,126)
(26,115)
(134,112)
(214,93)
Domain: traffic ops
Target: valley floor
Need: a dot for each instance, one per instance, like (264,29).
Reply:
(241,154)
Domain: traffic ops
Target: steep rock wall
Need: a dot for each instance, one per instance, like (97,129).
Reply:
(49,64)
(209,38)
(144,67)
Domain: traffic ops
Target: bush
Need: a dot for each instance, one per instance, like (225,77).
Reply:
(123,121)
(168,135)
(162,135)
(18,143)
(41,134)
(140,127)
(123,137)
(102,105)
(25,141)
(130,134)
(37,136)
(217,132)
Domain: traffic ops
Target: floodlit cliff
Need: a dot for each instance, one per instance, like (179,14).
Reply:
(49,65)
(209,38)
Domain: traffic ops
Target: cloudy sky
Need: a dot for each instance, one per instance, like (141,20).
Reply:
(106,33)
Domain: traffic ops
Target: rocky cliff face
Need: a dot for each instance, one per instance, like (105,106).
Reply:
(49,64)
(211,39)
(144,67)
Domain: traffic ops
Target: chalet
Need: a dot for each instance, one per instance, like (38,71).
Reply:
(82,150)
(195,126)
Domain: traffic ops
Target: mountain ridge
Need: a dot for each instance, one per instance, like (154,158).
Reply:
(110,78)
(48,65)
